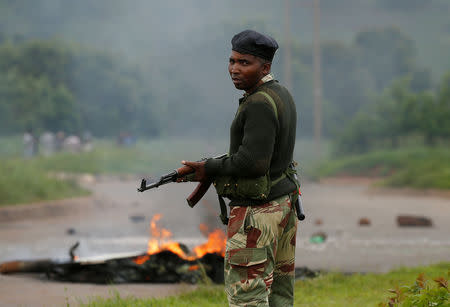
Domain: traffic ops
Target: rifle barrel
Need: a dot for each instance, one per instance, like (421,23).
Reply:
(171,177)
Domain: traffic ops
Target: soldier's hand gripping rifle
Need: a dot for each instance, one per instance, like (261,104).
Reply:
(177,174)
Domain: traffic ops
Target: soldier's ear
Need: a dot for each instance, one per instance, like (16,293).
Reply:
(266,68)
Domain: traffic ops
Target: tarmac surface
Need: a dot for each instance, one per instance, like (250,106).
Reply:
(115,219)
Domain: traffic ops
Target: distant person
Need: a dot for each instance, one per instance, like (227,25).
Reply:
(126,139)
(86,142)
(47,142)
(30,144)
(59,140)
(72,144)
(256,176)
(121,138)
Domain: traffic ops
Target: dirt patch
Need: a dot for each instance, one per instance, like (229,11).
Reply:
(348,179)
(369,182)
(45,209)
(410,192)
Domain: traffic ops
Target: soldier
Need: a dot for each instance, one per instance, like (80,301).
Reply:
(261,233)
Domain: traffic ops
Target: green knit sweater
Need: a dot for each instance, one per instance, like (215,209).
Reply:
(260,140)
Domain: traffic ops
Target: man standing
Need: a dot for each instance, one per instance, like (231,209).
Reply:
(260,250)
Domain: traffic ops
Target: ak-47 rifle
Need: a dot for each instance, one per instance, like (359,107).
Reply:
(176,174)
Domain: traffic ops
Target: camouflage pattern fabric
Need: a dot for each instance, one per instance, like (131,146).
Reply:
(260,254)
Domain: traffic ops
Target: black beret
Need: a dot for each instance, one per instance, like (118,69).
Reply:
(252,42)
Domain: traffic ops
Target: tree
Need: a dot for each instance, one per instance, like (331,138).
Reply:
(346,84)
(387,53)
(54,86)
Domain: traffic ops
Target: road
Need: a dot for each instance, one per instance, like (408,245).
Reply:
(115,219)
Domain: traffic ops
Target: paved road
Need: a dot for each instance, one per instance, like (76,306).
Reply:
(115,220)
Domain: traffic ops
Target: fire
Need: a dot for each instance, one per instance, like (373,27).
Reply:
(160,241)
(216,244)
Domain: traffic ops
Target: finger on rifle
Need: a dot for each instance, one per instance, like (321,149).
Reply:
(181,179)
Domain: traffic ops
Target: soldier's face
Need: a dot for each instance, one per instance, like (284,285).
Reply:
(246,70)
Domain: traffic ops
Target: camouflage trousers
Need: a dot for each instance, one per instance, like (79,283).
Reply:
(260,254)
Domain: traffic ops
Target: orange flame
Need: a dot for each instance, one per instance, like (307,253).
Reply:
(194,267)
(216,244)
(160,241)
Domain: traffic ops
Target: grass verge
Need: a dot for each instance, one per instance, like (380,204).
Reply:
(29,181)
(26,180)
(23,182)
(333,289)
(410,167)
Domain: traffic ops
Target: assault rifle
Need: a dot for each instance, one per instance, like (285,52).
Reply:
(179,173)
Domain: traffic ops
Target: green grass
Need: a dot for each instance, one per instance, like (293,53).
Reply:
(23,182)
(26,180)
(147,157)
(327,290)
(11,146)
(409,167)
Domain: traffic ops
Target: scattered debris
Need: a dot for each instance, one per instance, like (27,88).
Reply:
(318,222)
(162,267)
(70,231)
(137,218)
(413,221)
(19,266)
(72,251)
(364,221)
(318,237)
(303,273)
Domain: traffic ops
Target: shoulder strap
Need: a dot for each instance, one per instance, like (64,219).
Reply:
(269,98)
(271,101)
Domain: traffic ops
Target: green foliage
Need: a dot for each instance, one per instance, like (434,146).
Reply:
(387,52)
(421,294)
(407,167)
(49,85)
(353,66)
(399,113)
(333,289)
(34,102)
(351,73)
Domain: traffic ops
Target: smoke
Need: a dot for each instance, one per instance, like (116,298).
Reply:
(183,45)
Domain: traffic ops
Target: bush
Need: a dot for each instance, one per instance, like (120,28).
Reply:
(420,294)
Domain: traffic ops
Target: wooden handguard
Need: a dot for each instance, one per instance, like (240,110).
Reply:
(198,193)
(184,170)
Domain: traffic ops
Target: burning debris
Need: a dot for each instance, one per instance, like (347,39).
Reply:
(162,267)
(165,261)
(160,241)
